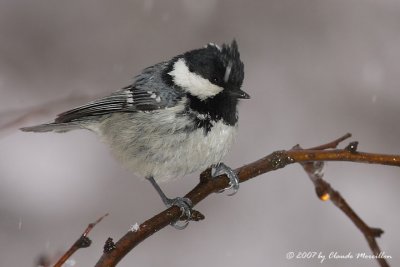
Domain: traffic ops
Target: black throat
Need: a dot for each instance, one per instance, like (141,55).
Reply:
(221,107)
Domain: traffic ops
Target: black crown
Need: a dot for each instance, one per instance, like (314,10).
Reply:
(230,56)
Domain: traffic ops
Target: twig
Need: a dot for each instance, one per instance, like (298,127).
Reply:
(369,233)
(325,192)
(332,144)
(82,242)
(208,185)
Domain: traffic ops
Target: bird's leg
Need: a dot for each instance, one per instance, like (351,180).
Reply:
(183,203)
(221,168)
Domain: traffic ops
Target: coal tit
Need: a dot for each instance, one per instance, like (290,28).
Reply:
(177,117)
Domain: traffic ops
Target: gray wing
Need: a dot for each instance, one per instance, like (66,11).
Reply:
(148,92)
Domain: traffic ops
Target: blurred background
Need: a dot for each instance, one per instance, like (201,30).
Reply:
(315,70)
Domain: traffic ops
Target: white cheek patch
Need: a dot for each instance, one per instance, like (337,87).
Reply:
(193,83)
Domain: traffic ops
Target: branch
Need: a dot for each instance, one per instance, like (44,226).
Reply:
(369,233)
(325,192)
(82,242)
(208,185)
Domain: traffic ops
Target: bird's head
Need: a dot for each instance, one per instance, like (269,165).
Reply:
(210,71)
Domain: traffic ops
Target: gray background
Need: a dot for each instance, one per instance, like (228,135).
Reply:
(315,70)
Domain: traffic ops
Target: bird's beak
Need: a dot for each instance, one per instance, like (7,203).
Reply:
(240,94)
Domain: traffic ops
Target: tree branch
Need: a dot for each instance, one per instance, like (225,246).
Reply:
(325,192)
(208,185)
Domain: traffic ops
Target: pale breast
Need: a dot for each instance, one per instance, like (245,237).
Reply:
(187,153)
(162,146)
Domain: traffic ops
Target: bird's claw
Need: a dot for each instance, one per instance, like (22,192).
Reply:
(185,205)
(221,168)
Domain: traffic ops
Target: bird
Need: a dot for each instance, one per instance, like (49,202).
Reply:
(177,117)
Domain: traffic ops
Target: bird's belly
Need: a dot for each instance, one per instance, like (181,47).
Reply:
(167,153)
(187,153)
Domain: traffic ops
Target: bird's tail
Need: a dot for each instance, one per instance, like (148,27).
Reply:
(53,127)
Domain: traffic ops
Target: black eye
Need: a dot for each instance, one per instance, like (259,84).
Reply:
(215,80)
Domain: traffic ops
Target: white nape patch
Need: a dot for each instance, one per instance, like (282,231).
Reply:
(153,96)
(192,82)
(228,72)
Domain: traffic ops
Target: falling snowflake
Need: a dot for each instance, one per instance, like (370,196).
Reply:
(70,262)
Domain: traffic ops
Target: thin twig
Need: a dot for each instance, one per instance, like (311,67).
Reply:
(332,144)
(369,233)
(82,242)
(325,192)
(208,185)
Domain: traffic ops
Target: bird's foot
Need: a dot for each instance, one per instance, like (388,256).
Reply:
(221,168)
(185,205)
